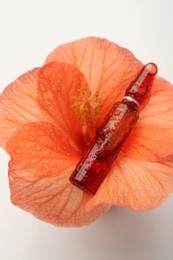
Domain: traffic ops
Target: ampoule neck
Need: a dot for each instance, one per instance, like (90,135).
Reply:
(131,103)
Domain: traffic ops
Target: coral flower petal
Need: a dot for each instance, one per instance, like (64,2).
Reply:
(45,139)
(39,176)
(140,185)
(152,135)
(107,67)
(18,105)
(42,134)
(57,83)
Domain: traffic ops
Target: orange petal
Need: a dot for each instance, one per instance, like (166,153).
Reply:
(43,157)
(151,139)
(43,95)
(142,176)
(107,67)
(137,184)
(18,105)
(39,176)
(57,84)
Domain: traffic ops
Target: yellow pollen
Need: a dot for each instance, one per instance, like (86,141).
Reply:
(86,107)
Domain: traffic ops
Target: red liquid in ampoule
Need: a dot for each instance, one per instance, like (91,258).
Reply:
(93,167)
(95,164)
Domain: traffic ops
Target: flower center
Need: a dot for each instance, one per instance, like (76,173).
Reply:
(86,107)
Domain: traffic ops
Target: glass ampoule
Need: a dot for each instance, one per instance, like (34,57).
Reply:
(111,135)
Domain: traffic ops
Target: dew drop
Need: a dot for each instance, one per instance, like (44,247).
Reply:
(42,87)
(38,147)
(31,137)
(27,127)
(32,152)
(160,198)
(52,134)
(19,167)
(44,153)
(11,178)
(48,103)
(47,168)
(17,151)
(126,194)
(40,132)
(122,167)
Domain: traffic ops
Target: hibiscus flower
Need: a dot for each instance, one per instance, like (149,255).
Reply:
(49,115)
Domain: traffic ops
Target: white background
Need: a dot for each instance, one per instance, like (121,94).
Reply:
(29,30)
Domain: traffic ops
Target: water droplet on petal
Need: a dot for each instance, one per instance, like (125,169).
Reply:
(52,134)
(40,132)
(47,168)
(31,138)
(42,87)
(27,127)
(38,147)
(32,152)
(17,151)
(11,178)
